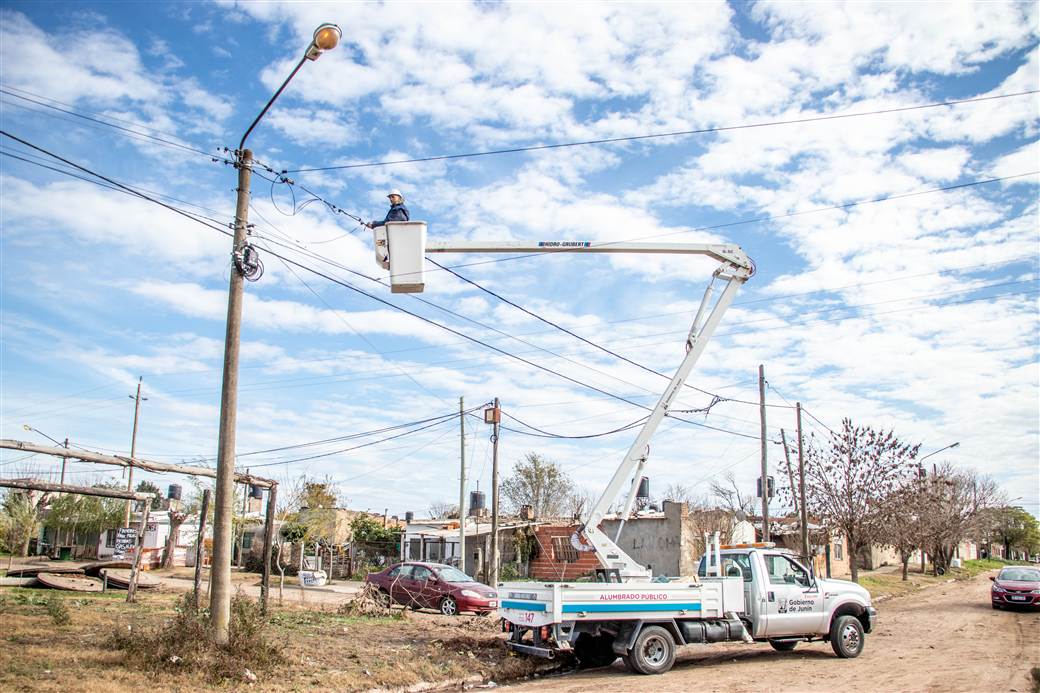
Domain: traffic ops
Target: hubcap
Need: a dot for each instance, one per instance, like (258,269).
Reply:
(850,638)
(655,650)
(448,607)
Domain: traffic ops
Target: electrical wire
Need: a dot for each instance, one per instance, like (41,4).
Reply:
(679,133)
(546,434)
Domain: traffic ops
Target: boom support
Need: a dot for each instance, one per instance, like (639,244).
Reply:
(401,248)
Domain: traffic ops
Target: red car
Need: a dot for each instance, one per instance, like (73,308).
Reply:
(1016,586)
(434,586)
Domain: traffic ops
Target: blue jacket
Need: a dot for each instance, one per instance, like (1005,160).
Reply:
(396,213)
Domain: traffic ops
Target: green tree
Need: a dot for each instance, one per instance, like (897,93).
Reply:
(540,483)
(367,529)
(19,521)
(82,516)
(148,487)
(1015,528)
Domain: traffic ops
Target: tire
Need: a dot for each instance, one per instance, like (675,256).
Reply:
(847,637)
(783,645)
(653,651)
(594,651)
(995,605)
(449,607)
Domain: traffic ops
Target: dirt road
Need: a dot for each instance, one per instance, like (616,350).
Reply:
(946,638)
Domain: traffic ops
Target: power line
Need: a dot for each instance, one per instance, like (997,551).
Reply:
(679,133)
(546,434)
(99,121)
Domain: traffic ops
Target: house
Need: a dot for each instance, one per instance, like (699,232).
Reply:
(668,541)
(156,534)
(830,552)
(437,541)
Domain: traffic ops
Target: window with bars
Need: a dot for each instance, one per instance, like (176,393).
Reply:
(563,551)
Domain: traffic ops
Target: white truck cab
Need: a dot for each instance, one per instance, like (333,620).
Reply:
(784,601)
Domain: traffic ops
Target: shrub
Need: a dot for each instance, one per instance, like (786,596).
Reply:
(183,642)
(57,610)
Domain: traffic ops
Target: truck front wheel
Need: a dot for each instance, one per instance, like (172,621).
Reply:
(847,637)
(653,651)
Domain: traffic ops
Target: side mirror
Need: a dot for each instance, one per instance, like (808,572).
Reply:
(992,579)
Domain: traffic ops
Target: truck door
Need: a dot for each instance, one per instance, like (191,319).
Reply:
(794,604)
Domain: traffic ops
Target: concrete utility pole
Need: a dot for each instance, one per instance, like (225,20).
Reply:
(765,463)
(326,37)
(494,498)
(801,484)
(133,451)
(462,488)
(224,499)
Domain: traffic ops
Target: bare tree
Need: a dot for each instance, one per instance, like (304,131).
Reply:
(580,501)
(848,481)
(728,493)
(953,505)
(540,483)
(444,510)
(679,493)
(903,519)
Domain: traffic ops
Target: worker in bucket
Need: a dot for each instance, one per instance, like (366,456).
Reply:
(397,212)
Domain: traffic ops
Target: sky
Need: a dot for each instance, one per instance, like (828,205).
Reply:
(896,247)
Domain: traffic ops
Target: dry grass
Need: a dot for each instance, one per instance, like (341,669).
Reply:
(313,647)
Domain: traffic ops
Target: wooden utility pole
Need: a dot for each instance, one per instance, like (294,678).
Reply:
(133,450)
(65,462)
(494,500)
(224,498)
(765,463)
(200,546)
(462,488)
(135,572)
(801,485)
(265,587)
(100,491)
(790,475)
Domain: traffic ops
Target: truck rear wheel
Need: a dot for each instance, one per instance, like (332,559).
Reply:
(847,637)
(653,651)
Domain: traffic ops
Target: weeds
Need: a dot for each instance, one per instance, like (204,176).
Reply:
(183,642)
(57,610)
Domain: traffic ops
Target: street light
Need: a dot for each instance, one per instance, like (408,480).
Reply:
(951,445)
(326,37)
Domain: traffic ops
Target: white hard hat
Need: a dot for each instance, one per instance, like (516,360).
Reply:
(395,191)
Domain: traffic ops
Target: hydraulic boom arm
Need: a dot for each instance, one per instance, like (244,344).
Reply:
(401,247)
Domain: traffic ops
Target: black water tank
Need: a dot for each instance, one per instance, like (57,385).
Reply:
(644,488)
(173,492)
(256,492)
(409,516)
(476,501)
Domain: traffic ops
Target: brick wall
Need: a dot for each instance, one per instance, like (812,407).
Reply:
(554,561)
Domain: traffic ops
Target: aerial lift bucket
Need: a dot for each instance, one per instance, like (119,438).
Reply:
(401,248)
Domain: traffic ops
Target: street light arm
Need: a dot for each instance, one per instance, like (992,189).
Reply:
(242,144)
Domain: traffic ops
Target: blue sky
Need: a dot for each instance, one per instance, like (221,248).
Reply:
(917,314)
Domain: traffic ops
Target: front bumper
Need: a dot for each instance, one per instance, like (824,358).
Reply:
(477,604)
(1015,598)
(871,619)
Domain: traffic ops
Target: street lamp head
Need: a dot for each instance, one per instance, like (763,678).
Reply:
(326,37)
(27,427)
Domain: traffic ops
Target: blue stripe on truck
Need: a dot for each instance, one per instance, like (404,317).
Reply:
(631,606)
(604,608)
(523,606)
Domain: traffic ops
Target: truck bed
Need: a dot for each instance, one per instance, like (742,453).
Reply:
(539,604)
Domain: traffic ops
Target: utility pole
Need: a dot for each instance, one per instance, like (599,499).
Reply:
(224,498)
(801,485)
(462,488)
(494,498)
(765,463)
(790,473)
(133,451)
(64,463)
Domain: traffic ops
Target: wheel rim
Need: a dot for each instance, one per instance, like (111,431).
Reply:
(655,650)
(850,638)
(448,607)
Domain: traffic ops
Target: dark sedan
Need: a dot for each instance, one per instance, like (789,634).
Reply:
(434,586)
(1016,586)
